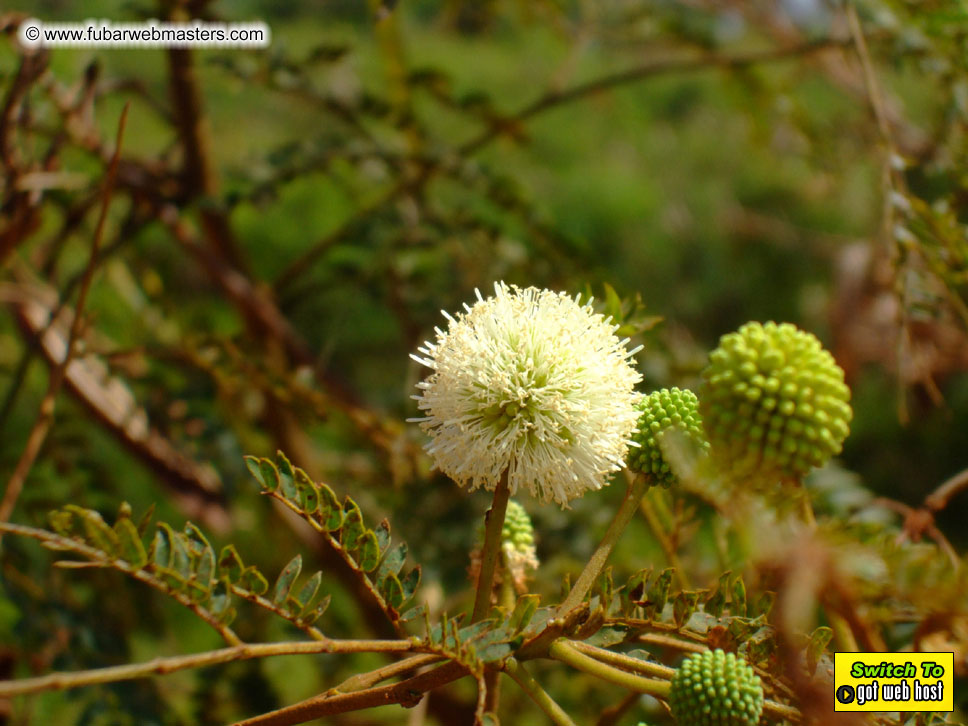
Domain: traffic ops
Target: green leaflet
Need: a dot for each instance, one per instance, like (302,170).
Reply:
(316,612)
(684,606)
(270,475)
(353,528)
(131,547)
(230,564)
(716,602)
(738,604)
(285,580)
(287,478)
(96,531)
(382,533)
(253,580)
(392,591)
(368,556)
(61,522)
(254,465)
(161,547)
(410,581)
(659,592)
(202,553)
(392,562)
(307,593)
(818,642)
(330,511)
(524,610)
(308,492)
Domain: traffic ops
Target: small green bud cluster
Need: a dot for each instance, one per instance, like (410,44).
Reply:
(662,410)
(774,403)
(716,689)
(517,543)
(517,535)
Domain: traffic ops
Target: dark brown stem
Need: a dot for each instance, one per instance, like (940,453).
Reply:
(406,693)
(494,523)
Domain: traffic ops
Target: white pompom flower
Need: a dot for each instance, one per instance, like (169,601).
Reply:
(532,383)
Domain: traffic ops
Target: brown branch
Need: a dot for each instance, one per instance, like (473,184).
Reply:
(45,416)
(362,681)
(173,664)
(407,693)
(613,714)
(20,207)
(939,498)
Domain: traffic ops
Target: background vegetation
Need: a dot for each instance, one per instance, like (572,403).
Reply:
(286,225)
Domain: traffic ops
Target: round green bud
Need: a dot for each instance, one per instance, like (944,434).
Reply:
(662,410)
(774,403)
(716,689)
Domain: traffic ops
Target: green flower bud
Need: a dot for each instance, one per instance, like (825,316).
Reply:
(662,410)
(774,403)
(517,544)
(716,689)
(517,535)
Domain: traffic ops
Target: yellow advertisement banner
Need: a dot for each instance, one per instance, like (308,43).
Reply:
(894,681)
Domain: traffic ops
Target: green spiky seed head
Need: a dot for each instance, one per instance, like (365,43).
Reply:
(517,544)
(716,689)
(517,535)
(774,403)
(662,410)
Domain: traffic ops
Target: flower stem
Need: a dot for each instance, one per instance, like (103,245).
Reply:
(494,523)
(566,653)
(530,686)
(622,517)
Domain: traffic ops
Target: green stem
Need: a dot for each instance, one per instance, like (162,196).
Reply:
(622,517)
(806,508)
(530,686)
(620,660)
(566,653)
(494,523)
